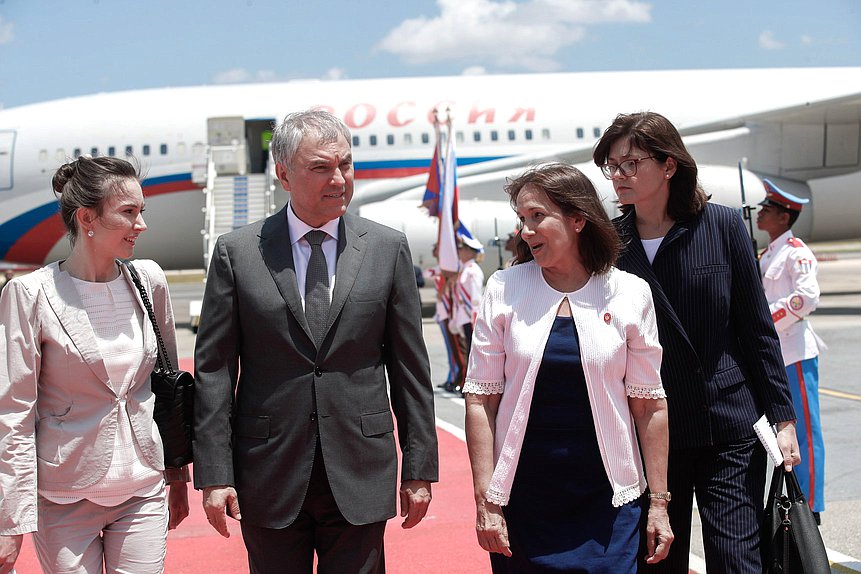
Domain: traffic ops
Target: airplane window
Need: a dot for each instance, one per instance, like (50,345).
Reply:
(43,155)
(146,149)
(459,137)
(129,150)
(197,149)
(476,136)
(355,141)
(545,134)
(390,139)
(511,135)
(408,138)
(76,153)
(112,151)
(162,149)
(60,155)
(94,152)
(579,133)
(425,138)
(373,140)
(180,148)
(494,135)
(528,134)
(596,132)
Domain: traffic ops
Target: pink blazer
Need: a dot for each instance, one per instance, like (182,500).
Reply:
(58,412)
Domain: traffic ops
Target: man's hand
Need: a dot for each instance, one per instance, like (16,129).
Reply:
(216,501)
(10,546)
(177,503)
(415,499)
(788,443)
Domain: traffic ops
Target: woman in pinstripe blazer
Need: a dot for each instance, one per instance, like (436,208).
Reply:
(722,366)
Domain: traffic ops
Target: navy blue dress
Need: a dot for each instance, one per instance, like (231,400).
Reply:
(559,516)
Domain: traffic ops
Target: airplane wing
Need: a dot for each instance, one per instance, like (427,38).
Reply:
(807,141)
(839,110)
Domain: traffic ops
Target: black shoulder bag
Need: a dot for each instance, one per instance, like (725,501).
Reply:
(174,395)
(793,544)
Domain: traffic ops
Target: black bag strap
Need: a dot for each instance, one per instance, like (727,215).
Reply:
(793,488)
(163,358)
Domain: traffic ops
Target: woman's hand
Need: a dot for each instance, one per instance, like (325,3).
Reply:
(491,528)
(659,535)
(788,444)
(177,503)
(10,547)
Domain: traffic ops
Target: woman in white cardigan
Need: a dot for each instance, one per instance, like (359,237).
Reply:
(564,376)
(81,461)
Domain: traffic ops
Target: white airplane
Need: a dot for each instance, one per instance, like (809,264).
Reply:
(798,127)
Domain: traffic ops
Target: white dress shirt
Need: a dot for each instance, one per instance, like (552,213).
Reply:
(302,249)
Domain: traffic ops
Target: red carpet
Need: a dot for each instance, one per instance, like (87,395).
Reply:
(443,543)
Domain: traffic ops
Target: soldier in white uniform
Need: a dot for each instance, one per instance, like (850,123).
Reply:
(444,286)
(788,270)
(466,298)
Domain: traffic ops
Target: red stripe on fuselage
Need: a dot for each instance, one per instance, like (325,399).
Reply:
(34,246)
(389,172)
(169,187)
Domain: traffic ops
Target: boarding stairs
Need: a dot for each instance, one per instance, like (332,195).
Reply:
(234,198)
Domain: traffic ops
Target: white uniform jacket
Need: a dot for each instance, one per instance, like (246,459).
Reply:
(788,270)
(58,412)
(467,296)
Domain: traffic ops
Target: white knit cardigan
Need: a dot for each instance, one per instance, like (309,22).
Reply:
(619,349)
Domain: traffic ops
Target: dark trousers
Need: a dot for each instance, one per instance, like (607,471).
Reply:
(341,547)
(464,345)
(729,481)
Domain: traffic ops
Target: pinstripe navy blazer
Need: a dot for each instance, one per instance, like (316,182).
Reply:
(722,367)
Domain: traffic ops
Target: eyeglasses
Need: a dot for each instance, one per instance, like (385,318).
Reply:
(627,168)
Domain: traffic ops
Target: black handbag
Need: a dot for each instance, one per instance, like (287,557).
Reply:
(174,395)
(791,538)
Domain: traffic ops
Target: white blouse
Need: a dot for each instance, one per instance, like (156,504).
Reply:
(115,317)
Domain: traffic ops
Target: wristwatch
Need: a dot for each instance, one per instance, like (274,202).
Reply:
(661,495)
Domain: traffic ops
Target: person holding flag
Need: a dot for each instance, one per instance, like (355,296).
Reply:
(442,313)
(456,248)
(466,298)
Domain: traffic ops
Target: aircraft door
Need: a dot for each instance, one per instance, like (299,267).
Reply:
(7,146)
(258,134)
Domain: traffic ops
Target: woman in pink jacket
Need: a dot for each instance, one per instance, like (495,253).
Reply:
(81,461)
(563,379)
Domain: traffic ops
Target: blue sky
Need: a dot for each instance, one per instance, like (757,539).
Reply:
(57,48)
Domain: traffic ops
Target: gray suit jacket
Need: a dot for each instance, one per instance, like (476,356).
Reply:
(265,391)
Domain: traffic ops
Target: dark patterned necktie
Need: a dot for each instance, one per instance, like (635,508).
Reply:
(317,286)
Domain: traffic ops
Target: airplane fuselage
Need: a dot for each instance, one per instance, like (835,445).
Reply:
(495,118)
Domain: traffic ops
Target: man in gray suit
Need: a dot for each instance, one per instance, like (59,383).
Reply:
(304,315)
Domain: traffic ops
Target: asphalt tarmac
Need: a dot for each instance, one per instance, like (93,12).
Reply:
(838,323)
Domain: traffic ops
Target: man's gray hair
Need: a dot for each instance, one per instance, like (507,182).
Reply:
(288,135)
